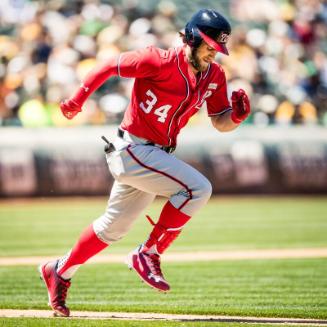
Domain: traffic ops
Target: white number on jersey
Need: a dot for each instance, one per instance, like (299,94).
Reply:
(206,95)
(150,103)
(162,111)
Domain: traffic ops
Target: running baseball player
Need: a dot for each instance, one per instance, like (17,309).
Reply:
(170,87)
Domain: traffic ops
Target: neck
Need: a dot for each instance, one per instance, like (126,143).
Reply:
(188,52)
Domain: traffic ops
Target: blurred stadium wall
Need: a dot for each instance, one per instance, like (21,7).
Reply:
(278,55)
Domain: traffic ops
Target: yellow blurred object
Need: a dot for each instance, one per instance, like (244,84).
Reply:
(241,62)
(110,35)
(33,113)
(106,52)
(285,112)
(84,67)
(13,81)
(30,31)
(308,112)
(287,11)
(8,48)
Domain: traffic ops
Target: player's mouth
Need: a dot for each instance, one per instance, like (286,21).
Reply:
(208,60)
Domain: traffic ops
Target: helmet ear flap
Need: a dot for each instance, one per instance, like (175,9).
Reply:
(189,35)
(192,37)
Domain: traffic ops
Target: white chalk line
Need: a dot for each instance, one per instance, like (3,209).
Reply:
(11,313)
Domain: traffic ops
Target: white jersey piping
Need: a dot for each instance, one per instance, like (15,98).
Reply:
(187,95)
(220,113)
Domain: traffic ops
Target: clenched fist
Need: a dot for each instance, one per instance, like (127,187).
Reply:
(70,108)
(240,106)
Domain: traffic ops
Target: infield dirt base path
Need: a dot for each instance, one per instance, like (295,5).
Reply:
(9,313)
(189,256)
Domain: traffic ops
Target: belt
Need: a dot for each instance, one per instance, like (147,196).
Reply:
(168,149)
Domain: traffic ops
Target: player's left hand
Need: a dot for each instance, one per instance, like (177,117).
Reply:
(240,106)
(70,108)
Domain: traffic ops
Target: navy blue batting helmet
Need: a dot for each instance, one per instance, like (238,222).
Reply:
(209,26)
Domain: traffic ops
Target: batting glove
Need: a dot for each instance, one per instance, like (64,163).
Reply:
(240,106)
(70,108)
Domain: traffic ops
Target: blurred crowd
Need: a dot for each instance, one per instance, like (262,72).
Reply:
(277,54)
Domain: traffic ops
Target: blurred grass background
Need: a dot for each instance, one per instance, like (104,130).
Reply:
(51,226)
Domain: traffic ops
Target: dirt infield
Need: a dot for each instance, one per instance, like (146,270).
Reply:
(189,256)
(9,313)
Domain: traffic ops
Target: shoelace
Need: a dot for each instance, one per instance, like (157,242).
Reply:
(154,263)
(62,290)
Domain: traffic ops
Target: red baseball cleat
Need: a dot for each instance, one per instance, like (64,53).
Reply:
(148,268)
(57,288)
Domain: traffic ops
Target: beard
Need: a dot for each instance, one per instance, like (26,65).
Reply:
(196,61)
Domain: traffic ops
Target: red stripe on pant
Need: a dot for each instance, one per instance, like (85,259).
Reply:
(165,174)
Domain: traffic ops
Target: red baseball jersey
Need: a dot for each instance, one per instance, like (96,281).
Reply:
(166,93)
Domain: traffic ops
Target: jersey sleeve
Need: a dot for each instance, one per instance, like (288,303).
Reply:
(218,102)
(143,63)
(140,63)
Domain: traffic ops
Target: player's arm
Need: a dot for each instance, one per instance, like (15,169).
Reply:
(94,79)
(141,63)
(223,122)
(231,118)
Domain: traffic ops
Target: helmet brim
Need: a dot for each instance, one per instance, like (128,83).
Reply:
(218,46)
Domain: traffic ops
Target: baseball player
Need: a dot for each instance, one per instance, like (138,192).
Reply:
(170,86)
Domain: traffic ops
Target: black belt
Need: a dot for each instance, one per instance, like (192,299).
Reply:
(168,149)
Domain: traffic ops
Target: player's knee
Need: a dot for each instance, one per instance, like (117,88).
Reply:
(203,190)
(107,230)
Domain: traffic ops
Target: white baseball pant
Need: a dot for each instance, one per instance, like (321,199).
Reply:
(141,172)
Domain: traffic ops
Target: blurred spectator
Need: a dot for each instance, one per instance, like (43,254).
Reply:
(288,40)
(277,53)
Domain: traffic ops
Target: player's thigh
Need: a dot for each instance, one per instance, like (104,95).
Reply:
(153,170)
(124,206)
(127,201)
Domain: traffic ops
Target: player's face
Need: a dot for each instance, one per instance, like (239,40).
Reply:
(202,57)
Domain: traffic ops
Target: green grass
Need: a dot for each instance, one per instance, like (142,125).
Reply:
(274,288)
(50,227)
(30,322)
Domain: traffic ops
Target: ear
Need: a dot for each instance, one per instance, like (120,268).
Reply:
(182,35)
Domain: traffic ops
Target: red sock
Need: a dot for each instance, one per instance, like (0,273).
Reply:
(86,247)
(171,217)
(166,230)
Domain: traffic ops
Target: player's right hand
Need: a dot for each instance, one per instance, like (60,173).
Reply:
(240,106)
(70,108)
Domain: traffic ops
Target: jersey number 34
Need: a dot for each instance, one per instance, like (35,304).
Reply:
(161,112)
